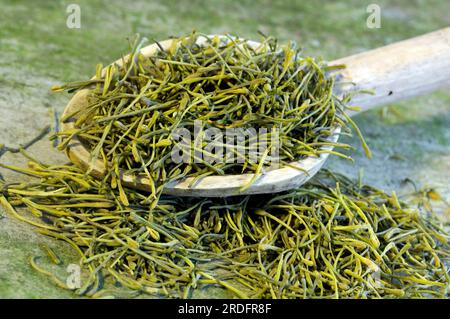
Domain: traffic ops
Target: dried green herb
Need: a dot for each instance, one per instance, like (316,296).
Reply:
(135,109)
(331,238)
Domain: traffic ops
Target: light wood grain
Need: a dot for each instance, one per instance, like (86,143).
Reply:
(398,71)
(395,72)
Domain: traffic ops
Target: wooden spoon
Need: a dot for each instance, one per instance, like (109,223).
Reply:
(395,72)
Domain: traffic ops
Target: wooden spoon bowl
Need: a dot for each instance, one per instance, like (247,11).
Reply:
(210,186)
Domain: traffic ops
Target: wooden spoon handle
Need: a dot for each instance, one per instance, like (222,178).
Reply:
(397,71)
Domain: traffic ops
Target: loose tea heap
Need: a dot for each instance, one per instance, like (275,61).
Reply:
(221,83)
(329,239)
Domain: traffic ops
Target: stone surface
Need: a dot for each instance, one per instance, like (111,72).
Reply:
(409,140)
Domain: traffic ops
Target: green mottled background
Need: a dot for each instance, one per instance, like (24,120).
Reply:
(409,139)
